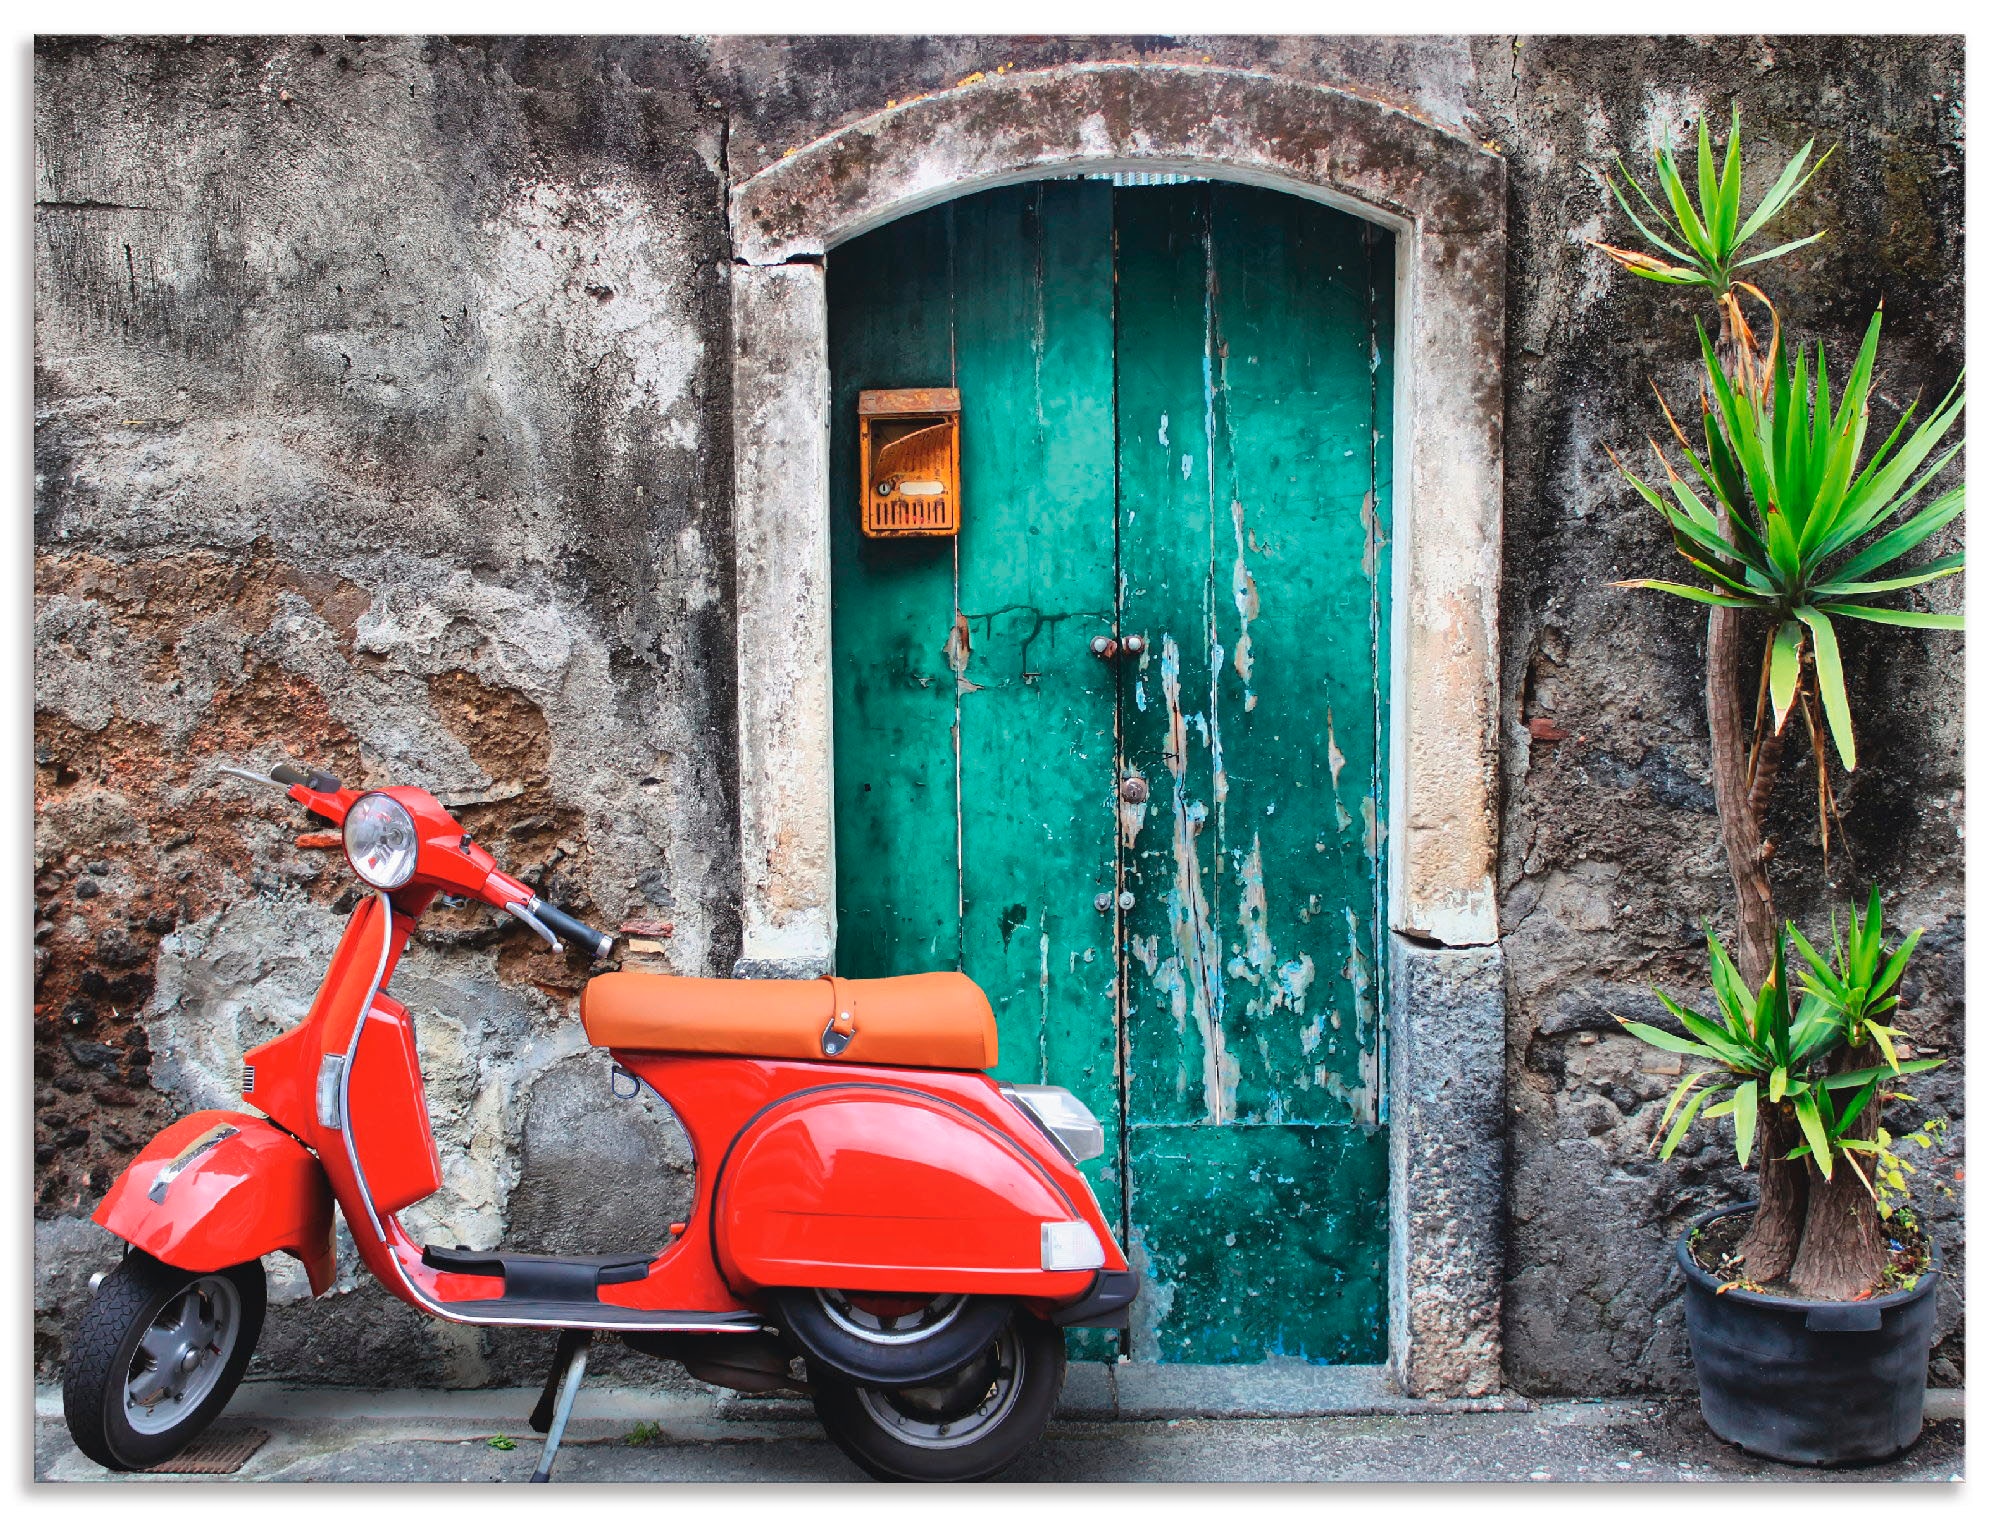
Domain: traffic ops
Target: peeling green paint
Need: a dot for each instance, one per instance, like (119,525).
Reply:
(1175,401)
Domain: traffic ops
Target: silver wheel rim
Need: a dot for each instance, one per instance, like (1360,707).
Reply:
(904,1416)
(933,1317)
(182,1354)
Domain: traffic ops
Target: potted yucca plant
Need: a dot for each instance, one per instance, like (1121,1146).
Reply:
(1795,528)
(1796,1374)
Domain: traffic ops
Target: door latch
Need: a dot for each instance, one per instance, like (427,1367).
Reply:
(1124,900)
(1133,788)
(1106,647)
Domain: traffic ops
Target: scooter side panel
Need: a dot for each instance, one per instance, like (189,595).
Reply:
(218,1188)
(881,1188)
(392,1125)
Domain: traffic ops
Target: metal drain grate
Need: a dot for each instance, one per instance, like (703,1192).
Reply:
(219,1451)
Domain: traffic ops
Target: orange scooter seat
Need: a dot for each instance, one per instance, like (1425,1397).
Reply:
(927,1021)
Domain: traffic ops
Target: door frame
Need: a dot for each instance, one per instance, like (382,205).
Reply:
(1444,198)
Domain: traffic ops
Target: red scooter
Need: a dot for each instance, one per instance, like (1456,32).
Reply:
(866,1200)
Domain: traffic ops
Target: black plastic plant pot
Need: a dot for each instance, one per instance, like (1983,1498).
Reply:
(1808,1382)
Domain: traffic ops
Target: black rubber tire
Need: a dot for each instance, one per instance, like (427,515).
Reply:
(830,1348)
(846,1418)
(102,1346)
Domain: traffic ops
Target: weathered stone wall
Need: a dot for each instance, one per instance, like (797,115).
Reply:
(382,420)
(1611,861)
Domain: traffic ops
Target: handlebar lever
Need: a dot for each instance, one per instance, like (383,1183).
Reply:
(516,909)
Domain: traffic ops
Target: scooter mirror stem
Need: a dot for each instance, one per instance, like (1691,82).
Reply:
(253,777)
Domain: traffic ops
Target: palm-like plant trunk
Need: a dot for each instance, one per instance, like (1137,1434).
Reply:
(1756,921)
(1782,1184)
(1843,1250)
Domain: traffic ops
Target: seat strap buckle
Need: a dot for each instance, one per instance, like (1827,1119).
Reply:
(838,1033)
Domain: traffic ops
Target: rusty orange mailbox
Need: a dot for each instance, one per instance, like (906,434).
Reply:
(909,463)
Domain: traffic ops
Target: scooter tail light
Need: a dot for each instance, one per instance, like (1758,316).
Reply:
(1071,1245)
(1063,1117)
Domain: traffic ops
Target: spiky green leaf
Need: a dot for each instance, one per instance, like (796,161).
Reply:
(1686,592)
(1815,1134)
(1746,1120)
(1941,621)
(1784,671)
(1681,1124)
(1647,1033)
(1783,190)
(1832,683)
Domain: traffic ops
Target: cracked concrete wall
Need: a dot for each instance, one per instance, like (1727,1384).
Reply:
(383,418)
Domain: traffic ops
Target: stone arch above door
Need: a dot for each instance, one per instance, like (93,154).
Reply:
(1445,197)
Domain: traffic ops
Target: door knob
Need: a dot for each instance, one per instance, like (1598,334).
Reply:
(1133,644)
(1124,900)
(1133,789)
(1103,901)
(1104,647)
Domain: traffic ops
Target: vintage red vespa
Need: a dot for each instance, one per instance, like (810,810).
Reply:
(867,1200)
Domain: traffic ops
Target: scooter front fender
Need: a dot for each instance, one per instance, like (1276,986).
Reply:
(221,1187)
(884,1188)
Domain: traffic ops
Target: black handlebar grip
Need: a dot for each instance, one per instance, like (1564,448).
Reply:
(312,779)
(597,944)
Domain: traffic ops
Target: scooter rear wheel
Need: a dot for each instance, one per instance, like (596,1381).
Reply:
(156,1356)
(887,1339)
(968,1425)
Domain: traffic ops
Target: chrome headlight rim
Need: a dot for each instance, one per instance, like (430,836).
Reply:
(384,812)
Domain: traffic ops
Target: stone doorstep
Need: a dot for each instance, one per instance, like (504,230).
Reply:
(1094,1392)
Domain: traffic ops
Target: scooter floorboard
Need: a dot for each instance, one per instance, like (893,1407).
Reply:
(532,1312)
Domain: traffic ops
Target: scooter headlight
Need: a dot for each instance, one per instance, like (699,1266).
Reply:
(381,839)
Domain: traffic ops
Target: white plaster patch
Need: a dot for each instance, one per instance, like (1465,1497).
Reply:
(589,268)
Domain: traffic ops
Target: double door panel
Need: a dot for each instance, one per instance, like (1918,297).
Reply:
(1163,867)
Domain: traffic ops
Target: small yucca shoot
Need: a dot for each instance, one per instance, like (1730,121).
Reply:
(1704,238)
(1854,978)
(1766,1049)
(1763,1046)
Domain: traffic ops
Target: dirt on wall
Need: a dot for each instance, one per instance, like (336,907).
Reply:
(129,847)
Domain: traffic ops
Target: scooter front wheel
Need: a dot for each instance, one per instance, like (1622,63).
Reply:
(968,1425)
(157,1355)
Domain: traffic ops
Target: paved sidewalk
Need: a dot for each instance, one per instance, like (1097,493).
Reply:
(335,1435)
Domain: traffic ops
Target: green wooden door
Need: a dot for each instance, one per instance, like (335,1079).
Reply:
(1176,423)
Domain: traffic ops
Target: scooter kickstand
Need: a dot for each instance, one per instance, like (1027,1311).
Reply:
(551,1414)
